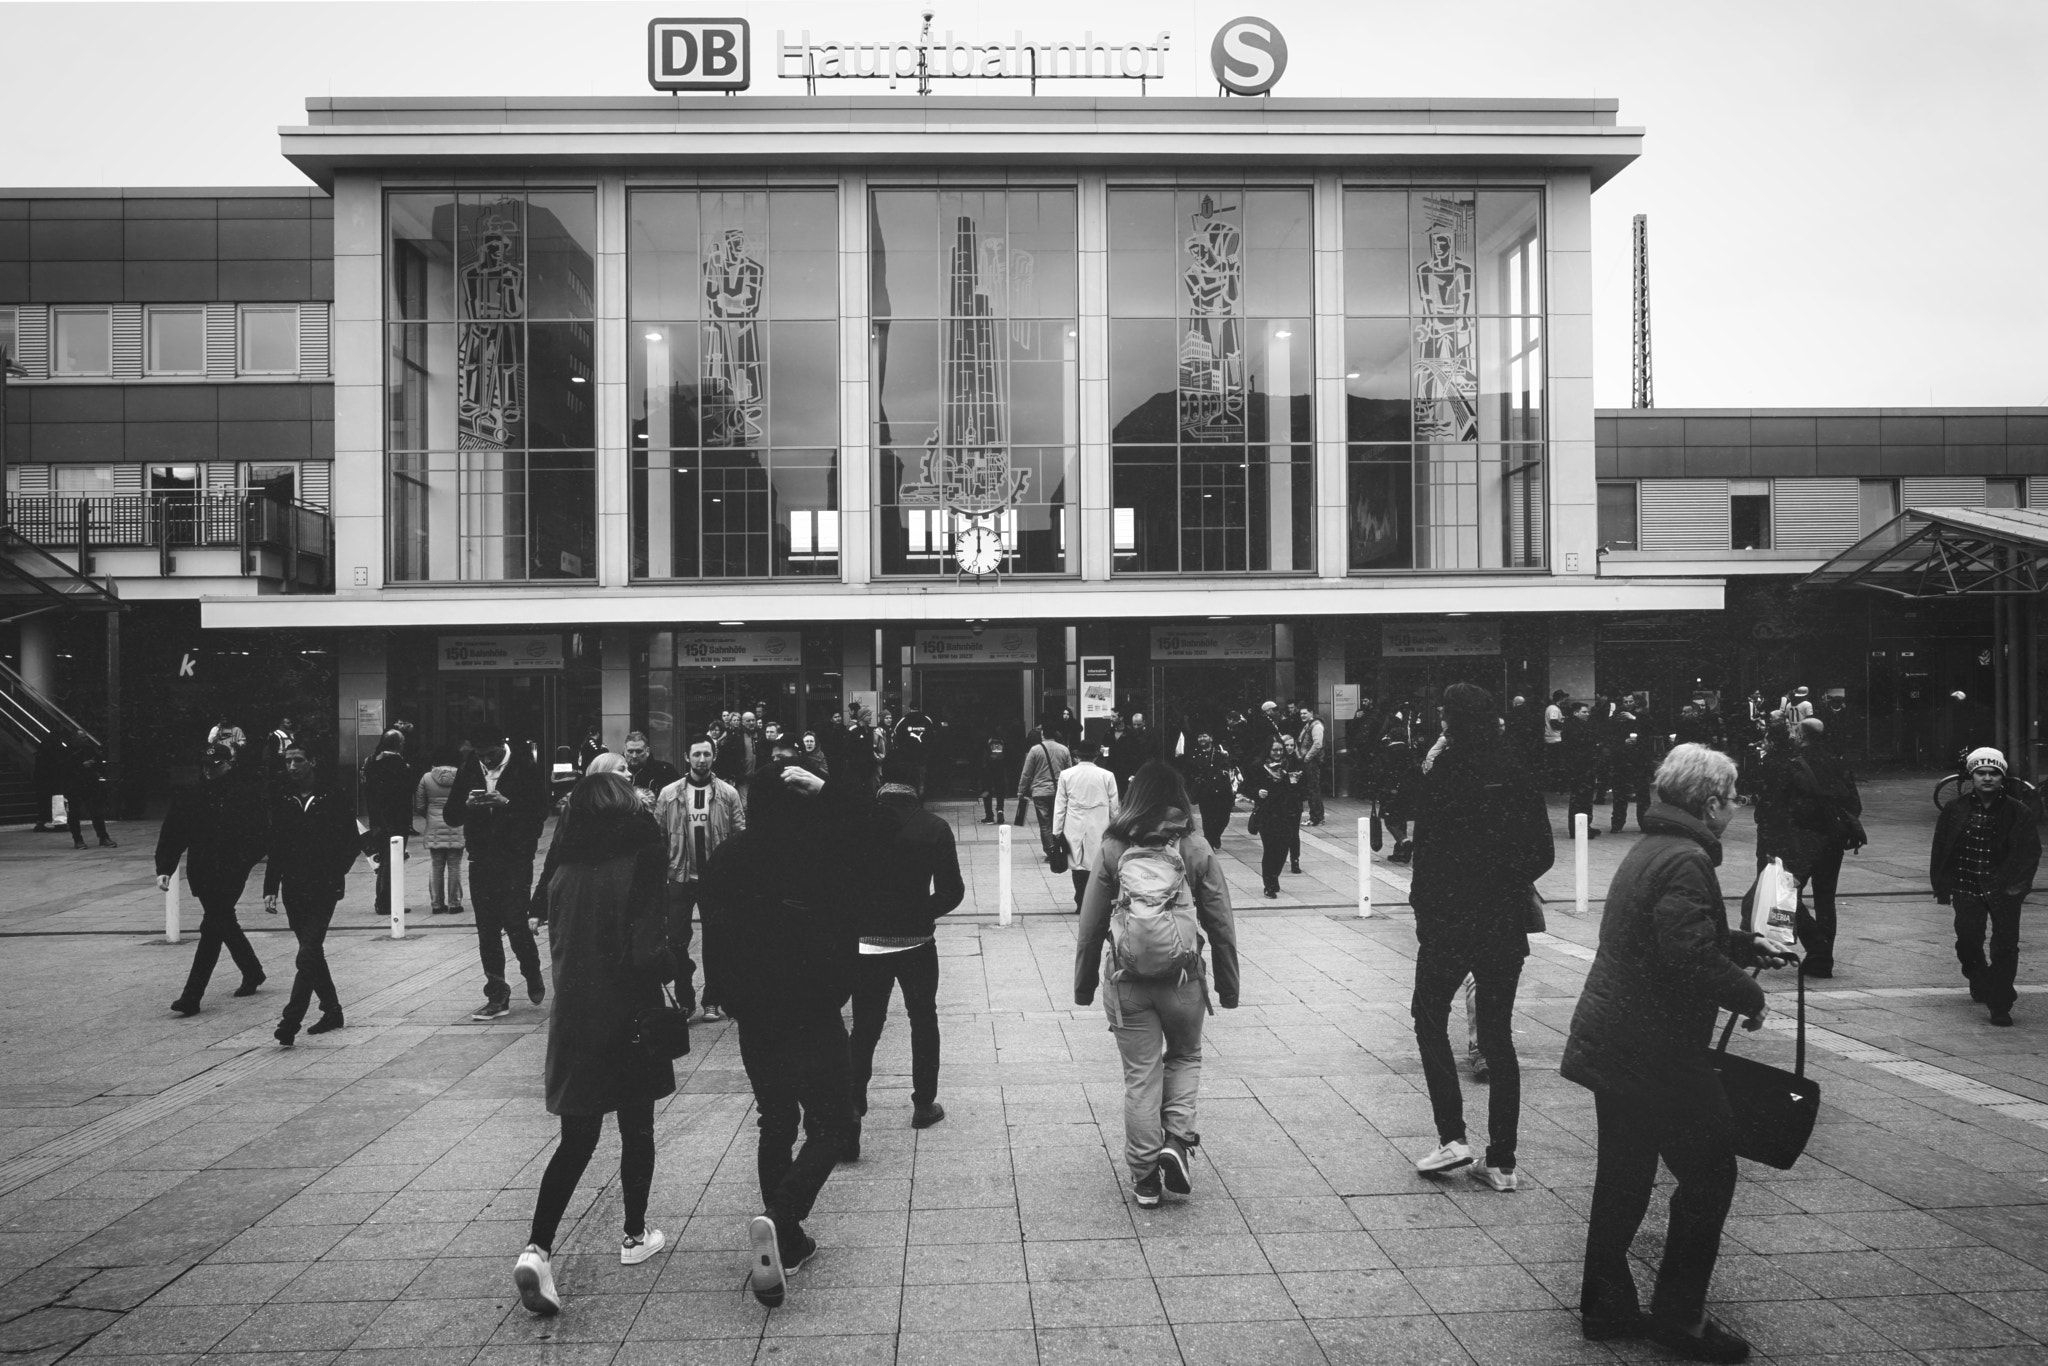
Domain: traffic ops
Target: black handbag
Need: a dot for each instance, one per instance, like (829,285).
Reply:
(1061,853)
(662,1030)
(1774,1110)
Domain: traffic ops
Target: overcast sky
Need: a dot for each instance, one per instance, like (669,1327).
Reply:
(1846,198)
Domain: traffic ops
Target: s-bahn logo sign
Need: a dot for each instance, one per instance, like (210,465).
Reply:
(1249,56)
(699,54)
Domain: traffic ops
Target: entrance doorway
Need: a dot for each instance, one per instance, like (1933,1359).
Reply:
(1198,697)
(970,704)
(526,707)
(1420,683)
(706,693)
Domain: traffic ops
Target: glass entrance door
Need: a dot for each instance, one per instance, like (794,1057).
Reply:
(970,705)
(526,707)
(706,694)
(1198,697)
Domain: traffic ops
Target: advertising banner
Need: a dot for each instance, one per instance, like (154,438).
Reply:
(1344,701)
(1422,639)
(995,645)
(1098,687)
(738,649)
(1215,640)
(499,654)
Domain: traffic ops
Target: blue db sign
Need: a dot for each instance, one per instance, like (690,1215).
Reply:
(1249,56)
(698,54)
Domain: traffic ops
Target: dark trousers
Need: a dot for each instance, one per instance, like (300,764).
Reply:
(682,906)
(1215,818)
(1312,780)
(992,804)
(219,928)
(84,806)
(1496,970)
(1578,796)
(803,1083)
(572,1155)
(875,976)
(1274,842)
(1043,806)
(310,913)
(1992,980)
(501,891)
(382,858)
(1815,920)
(1630,786)
(1080,876)
(1695,1142)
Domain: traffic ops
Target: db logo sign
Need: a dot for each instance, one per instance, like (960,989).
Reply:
(1248,56)
(698,54)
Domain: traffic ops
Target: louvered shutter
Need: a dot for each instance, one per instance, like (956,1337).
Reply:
(315,483)
(128,478)
(1683,514)
(127,336)
(1822,516)
(32,340)
(313,340)
(221,360)
(1942,493)
(30,481)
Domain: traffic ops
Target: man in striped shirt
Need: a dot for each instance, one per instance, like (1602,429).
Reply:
(1987,848)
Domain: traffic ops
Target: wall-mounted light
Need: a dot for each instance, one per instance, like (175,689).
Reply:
(654,336)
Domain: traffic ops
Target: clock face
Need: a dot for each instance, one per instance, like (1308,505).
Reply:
(979,549)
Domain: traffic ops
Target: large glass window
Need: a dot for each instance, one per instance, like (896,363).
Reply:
(83,343)
(490,405)
(1443,361)
(270,339)
(176,341)
(1209,377)
(975,411)
(1617,514)
(733,386)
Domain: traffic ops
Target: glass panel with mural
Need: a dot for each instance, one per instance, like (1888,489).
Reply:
(732,384)
(1444,379)
(976,384)
(490,379)
(1209,373)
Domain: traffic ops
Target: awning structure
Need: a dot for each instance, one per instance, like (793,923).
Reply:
(1947,553)
(32,581)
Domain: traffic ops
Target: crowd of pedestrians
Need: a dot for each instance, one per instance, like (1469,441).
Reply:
(818,878)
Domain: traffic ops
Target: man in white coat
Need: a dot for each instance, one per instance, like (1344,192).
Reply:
(1083,804)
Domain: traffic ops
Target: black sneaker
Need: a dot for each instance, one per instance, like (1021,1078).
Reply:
(924,1116)
(1174,1165)
(1145,1190)
(536,990)
(2002,1018)
(184,1005)
(329,1021)
(285,1033)
(766,1278)
(249,985)
(1712,1343)
(797,1249)
(493,1010)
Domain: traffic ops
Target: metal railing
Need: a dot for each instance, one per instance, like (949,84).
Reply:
(27,717)
(301,537)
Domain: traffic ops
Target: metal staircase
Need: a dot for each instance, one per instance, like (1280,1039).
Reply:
(26,718)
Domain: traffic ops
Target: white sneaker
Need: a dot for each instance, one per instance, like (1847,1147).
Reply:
(536,1282)
(1503,1180)
(767,1279)
(1448,1158)
(634,1251)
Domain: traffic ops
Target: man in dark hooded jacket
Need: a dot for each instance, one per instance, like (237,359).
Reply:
(1482,838)
(218,828)
(387,801)
(313,844)
(783,906)
(500,802)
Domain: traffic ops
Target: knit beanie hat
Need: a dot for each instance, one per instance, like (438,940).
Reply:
(1984,757)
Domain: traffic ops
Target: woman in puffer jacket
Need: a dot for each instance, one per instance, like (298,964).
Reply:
(610,868)
(443,841)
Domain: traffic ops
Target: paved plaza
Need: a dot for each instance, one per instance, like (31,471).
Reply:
(183,1190)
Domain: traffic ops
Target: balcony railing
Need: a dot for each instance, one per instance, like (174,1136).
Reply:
(288,542)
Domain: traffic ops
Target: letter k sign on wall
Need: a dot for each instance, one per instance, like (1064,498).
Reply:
(699,54)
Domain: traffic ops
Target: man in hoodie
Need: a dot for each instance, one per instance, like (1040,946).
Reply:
(500,802)
(313,844)
(698,812)
(218,828)
(387,801)
(783,909)
(1482,838)
(916,880)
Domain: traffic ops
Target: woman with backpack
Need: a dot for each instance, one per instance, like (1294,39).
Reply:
(1275,790)
(1156,891)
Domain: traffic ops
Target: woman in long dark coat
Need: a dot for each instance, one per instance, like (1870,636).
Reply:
(610,863)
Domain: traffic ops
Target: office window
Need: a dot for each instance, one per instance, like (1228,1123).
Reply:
(1880,502)
(82,341)
(2005,493)
(83,481)
(1618,514)
(732,386)
(176,341)
(975,409)
(270,339)
(1749,514)
(278,482)
(490,420)
(1210,358)
(1444,378)
(8,345)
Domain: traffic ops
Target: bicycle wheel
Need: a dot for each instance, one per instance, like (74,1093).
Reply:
(1947,790)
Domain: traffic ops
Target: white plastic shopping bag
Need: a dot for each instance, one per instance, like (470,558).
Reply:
(60,810)
(1772,903)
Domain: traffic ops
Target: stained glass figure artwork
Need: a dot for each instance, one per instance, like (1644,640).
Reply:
(735,391)
(1446,332)
(1211,359)
(490,361)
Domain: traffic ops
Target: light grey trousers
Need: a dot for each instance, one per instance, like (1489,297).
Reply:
(1158,1029)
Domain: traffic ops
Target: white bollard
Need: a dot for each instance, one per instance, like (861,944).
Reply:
(1365,867)
(1003,845)
(396,857)
(171,915)
(1580,870)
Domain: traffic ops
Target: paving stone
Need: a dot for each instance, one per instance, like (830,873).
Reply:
(1403,1340)
(1224,1299)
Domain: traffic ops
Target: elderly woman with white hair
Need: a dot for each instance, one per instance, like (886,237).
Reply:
(1668,964)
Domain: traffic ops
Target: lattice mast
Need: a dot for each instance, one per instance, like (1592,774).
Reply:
(1642,391)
